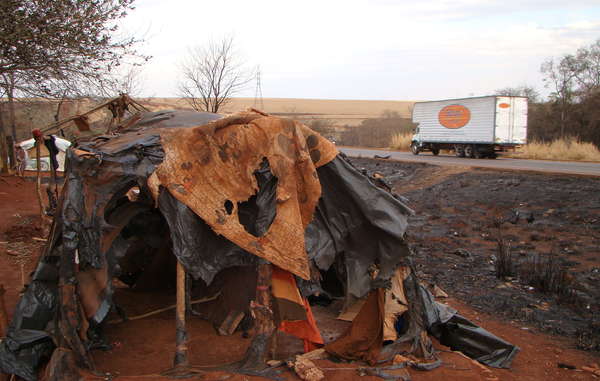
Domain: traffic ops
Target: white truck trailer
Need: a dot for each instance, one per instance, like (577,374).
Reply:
(472,127)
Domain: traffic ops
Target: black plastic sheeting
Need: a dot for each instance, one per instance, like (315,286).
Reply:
(202,252)
(258,212)
(460,334)
(365,223)
(356,225)
(28,343)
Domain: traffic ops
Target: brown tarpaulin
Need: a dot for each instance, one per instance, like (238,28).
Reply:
(395,303)
(364,338)
(211,168)
(287,301)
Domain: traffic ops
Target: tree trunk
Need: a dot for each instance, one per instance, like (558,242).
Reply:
(11,110)
(3,145)
(57,114)
(12,120)
(562,122)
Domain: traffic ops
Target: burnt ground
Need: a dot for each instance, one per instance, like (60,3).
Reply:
(549,225)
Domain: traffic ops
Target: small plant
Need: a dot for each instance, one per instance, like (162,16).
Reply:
(545,273)
(504,261)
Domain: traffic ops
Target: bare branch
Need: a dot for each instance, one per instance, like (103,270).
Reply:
(211,75)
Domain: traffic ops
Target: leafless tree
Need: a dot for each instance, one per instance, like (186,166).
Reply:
(130,81)
(586,68)
(573,105)
(62,36)
(4,153)
(520,91)
(560,78)
(212,74)
(127,80)
(10,83)
(47,41)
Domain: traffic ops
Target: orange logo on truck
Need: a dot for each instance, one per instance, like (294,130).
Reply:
(454,116)
(504,105)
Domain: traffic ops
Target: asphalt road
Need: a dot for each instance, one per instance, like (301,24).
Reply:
(570,167)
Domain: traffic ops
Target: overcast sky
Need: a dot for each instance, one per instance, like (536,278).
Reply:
(379,49)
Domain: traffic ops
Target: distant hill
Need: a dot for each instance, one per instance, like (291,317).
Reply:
(338,113)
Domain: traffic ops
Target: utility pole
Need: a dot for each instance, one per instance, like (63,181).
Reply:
(258,97)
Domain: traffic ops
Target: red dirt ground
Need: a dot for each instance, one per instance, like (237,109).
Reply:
(145,347)
(19,223)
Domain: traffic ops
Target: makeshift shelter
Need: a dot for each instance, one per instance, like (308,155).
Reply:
(258,203)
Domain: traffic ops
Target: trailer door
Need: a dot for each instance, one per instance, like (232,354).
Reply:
(511,120)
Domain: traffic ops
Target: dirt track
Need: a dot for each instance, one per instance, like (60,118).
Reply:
(147,347)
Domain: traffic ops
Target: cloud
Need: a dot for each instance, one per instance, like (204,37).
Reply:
(376,49)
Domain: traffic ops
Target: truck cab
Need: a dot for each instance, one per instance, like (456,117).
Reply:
(417,145)
(415,137)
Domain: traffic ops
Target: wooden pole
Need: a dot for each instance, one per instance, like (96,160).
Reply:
(181,336)
(181,365)
(64,121)
(262,311)
(264,319)
(53,184)
(38,185)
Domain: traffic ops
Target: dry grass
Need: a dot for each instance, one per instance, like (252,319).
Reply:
(35,113)
(561,149)
(339,111)
(401,142)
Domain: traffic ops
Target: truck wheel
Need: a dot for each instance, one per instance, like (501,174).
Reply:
(435,151)
(469,151)
(414,148)
(459,151)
